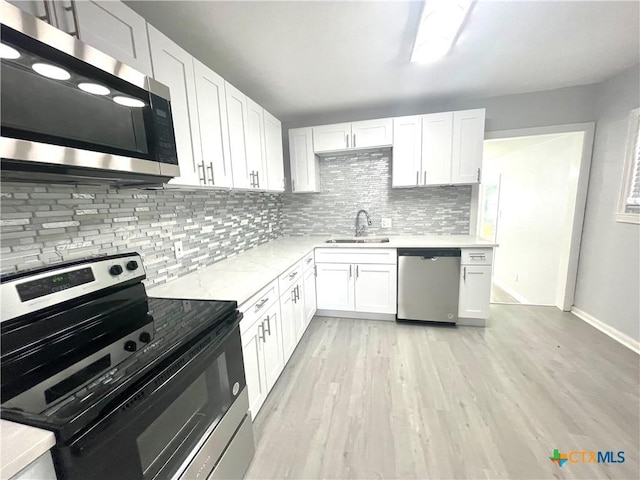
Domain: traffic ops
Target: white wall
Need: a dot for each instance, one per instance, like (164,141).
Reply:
(537,200)
(608,286)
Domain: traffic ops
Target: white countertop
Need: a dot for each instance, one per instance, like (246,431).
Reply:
(21,445)
(240,277)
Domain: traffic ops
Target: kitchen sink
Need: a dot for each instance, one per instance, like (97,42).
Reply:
(358,240)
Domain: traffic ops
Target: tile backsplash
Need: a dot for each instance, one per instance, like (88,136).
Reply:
(351,182)
(42,224)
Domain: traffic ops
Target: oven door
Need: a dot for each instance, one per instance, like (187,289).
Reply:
(155,428)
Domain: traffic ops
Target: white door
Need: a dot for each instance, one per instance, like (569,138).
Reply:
(237,119)
(332,137)
(274,174)
(214,129)
(304,166)
(437,135)
(376,287)
(334,286)
(255,145)
(468,138)
(273,356)
(174,67)
(253,354)
(475,291)
(116,30)
(407,151)
(372,133)
(288,315)
(309,295)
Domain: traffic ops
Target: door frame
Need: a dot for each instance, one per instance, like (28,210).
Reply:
(588,129)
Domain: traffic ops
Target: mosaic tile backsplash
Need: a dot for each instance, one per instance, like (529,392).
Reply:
(352,182)
(45,224)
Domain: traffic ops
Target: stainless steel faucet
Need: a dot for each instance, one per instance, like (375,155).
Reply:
(361,228)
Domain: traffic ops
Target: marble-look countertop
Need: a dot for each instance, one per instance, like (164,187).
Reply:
(21,445)
(242,276)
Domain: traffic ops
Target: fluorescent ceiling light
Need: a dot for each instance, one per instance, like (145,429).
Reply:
(51,71)
(94,88)
(129,102)
(439,26)
(8,52)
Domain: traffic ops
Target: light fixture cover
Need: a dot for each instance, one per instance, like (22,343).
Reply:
(94,88)
(8,52)
(51,71)
(129,102)
(440,23)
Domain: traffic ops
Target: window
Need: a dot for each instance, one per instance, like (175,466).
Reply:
(629,203)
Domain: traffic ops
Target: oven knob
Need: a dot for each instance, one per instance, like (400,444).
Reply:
(115,270)
(145,337)
(132,265)
(130,346)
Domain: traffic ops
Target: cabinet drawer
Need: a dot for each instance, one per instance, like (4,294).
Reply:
(356,255)
(477,256)
(253,308)
(307,262)
(289,278)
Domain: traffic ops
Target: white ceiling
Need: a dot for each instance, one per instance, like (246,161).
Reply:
(300,58)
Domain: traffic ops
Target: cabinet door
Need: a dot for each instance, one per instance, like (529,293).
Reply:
(376,287)
(274,174)
(299,308)
(334,286)
(237,119)
(468,138)
(309,295)
(35,8)
(115,29)
(407,151)
(174,67)
(288,315)
(253,357)
(372,133)
(214,129)
(437,135)
(255,145)
(273,355)
(475,291)
(304,163)
(332,137)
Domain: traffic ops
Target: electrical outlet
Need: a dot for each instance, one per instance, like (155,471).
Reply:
(178,249)
(517,277)
(386,223)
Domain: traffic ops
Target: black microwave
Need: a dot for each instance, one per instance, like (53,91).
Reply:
(71,114)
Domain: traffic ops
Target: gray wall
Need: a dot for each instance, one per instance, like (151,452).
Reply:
(608,284)
(45,224)
(354,181)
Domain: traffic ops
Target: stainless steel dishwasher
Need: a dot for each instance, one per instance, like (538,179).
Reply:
(428,284)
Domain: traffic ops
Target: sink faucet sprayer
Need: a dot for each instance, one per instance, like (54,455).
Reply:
(361,228)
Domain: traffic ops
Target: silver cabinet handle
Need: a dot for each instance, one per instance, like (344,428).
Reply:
(210,168)
(476,273)
(268,329)
(315,270)
(350,275)
(203,178)
(261,304)
(354,140)
(47,13)
(309,260)
(297,289)
(464,274)
(478,175)
(357,272)
(293,295)
(257,179)
(293,185)
(425,177)
(347,136)
(417,177)
(261,329)
(292,275)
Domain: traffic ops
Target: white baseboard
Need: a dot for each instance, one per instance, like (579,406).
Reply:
(471,322)
(388,317)
(515,295)
(617,335)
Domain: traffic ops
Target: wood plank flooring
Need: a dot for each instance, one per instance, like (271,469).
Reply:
(369,399)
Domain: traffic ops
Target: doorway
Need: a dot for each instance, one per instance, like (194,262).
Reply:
(531,202)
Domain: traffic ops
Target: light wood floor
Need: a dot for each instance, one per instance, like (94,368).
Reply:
(498,295)
(371,399)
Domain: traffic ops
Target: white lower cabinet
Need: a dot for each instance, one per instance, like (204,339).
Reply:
(310,304)
(475,291)
(376,288)
(293,322)
(335,287)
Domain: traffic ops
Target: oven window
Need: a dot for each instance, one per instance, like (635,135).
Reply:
(184,422)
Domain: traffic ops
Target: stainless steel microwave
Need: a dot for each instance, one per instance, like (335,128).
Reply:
(71,114)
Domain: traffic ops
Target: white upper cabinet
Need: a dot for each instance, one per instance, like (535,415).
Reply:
(273,153)
(237,118)
(174,67)
(468,138)
(115,29)
(215,167)
(255,145)
(372,133)
(331,137)
(436,148)
(304,163)
(407,155)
